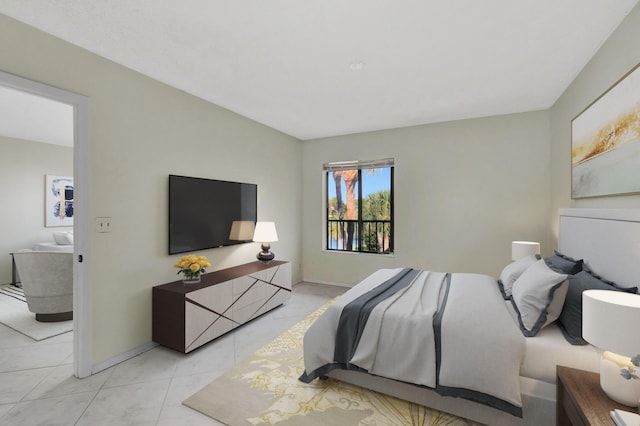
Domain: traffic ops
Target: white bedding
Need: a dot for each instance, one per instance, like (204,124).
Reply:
(457,308)
(549,348)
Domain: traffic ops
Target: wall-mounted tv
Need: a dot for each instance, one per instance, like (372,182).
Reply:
(201,212)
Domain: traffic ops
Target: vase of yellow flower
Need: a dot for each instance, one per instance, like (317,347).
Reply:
(191,267)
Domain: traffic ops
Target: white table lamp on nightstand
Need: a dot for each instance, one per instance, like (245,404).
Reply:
(520,249)
(611,322)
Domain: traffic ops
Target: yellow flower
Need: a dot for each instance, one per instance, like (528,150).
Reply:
(203,263)
(192,265)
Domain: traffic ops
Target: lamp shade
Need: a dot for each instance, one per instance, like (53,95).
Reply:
(242,230)
(520,249)
(611,320)
(265,232)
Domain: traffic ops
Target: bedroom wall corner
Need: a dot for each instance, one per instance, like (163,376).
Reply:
(618,54)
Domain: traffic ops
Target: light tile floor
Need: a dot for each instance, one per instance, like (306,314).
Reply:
(37,386)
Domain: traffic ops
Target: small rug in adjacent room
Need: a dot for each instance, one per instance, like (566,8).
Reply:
(264,390)
(15,314)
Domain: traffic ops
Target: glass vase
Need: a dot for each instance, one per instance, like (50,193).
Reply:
(190,280)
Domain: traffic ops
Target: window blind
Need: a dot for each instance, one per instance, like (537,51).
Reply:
(357,164)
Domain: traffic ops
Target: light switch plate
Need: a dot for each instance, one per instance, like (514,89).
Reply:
(103,224)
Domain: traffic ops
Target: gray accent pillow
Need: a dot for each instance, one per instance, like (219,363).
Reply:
(538,297)
(512,272)
(564,264)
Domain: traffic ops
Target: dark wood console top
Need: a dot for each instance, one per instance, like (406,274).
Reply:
(217,277)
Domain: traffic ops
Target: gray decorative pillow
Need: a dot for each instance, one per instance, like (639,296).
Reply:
(564,264)
(512,272)
(538,296)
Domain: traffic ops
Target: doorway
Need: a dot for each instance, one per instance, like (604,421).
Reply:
(81,292)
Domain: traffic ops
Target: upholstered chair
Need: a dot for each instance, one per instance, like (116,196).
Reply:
(47,281)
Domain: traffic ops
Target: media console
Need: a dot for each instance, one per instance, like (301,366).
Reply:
(186,317)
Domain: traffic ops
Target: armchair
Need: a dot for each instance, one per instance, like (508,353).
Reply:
(47,281)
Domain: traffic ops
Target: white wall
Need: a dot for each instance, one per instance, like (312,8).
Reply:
(616,57)
(140,131)
(463,191)
(23,166)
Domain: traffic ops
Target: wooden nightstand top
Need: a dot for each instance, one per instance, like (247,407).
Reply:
(581,400)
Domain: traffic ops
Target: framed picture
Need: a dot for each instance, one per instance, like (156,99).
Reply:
(58,201)
(605,142)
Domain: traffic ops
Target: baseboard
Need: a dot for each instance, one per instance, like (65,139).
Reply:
(311,280)
(114,360)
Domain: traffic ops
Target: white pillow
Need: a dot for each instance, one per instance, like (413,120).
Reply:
(512,272)
(63,238)
(538,296)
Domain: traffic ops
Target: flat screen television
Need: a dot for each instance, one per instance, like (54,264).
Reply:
(201,212)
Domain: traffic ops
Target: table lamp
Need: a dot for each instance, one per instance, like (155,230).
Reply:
(242,230)
(520,249)
(265,233)
(611,322)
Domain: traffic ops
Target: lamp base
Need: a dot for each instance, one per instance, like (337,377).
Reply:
(616,387)
(265,256)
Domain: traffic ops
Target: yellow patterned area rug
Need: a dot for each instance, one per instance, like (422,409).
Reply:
(265,390)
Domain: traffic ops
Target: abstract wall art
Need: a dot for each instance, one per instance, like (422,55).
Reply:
(605,142)
(58,201)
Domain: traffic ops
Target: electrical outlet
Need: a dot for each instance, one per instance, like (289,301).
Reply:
(103,224)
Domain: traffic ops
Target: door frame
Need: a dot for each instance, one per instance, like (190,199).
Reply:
(82,354)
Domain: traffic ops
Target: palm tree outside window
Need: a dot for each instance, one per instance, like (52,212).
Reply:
(359,203)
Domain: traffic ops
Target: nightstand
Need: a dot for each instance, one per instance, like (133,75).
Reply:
(581,401)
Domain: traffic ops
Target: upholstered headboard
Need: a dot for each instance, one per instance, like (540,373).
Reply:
(607,239)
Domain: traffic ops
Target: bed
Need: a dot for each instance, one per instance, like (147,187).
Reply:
(514,386)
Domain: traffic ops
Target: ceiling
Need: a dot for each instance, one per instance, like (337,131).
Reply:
(34,118)
(314,68)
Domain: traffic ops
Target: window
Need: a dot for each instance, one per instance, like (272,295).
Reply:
(359,203)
